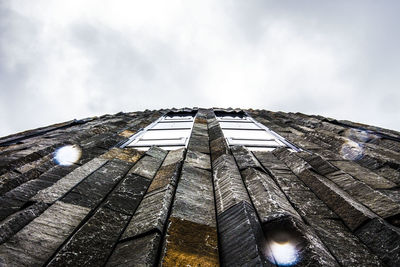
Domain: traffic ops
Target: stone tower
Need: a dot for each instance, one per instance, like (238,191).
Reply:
(201,187)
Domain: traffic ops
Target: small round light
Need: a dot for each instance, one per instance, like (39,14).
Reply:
(284,254)
(67,155)
(351,150)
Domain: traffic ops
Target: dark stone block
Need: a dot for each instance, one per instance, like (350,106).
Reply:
(241,237)
(147,166)
(228,184)
(319,165)
(93,242)
(198,160)
(127,196)
(244,158)
(383,239)
(344,246)
(18,220)
(96,186)
(151,214)
(199,143)
(157,152)
(218,147)
(145,252)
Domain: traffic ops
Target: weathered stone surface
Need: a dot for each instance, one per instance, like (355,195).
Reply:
(147,166)
(126,154)
(62,186)
(228,184)
(349,210)
(218,147)
(174,156)
(198,160)
(379,203)
(268,160)
(157,152)
(127,196)
(13,200)
(38,240)
(244,158)
(151,213)
(241,238)
(269,201)
(215,131)
(199,143)
(364,175)
(127,133)
(190,244)
(18,220)
(93,242)
(343,245)
(145,252)
(96,186)
(194,198)
(319,165)
(383,239)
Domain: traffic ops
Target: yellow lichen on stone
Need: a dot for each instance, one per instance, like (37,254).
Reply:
(127,133)
(125,154)
(190,244)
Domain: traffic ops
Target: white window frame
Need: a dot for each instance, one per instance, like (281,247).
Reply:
(245,118)
(167,118)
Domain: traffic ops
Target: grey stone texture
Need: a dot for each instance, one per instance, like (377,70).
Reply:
(337,199)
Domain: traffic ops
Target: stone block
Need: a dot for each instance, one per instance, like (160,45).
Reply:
(344,246)
(228,184)
(62,186)
(269,201)
(244,158)
(378,202)
(218,147)
(241,239)
(382,239)
(157,152)
(194,198)
(190,244)
(147,166)
(145,250)
(198,160)
(127,196)
(199,143)
(18,220)
(90,192)
(151,214)
(126,154)
(364,175)
(39,240)
(92,244)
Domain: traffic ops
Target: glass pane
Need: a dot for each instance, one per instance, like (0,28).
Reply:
(141,142)
(248,134)
(165,134)
(253,142)
(178,118)
(169,125)
(240,125)
(261,148)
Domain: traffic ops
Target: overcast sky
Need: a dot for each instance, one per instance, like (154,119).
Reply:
(61,60)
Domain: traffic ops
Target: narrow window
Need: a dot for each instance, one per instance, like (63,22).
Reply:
(171,131)
(242,130)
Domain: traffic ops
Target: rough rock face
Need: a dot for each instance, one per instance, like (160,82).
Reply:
(336,202)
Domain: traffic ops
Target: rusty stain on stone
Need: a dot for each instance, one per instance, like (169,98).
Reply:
(125,154)
(127,133)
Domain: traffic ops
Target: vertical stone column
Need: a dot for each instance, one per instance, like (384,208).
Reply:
(191,238)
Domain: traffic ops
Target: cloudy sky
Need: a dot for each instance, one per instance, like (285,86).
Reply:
(61,60)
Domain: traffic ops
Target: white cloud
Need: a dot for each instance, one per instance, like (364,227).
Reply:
(70,59)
